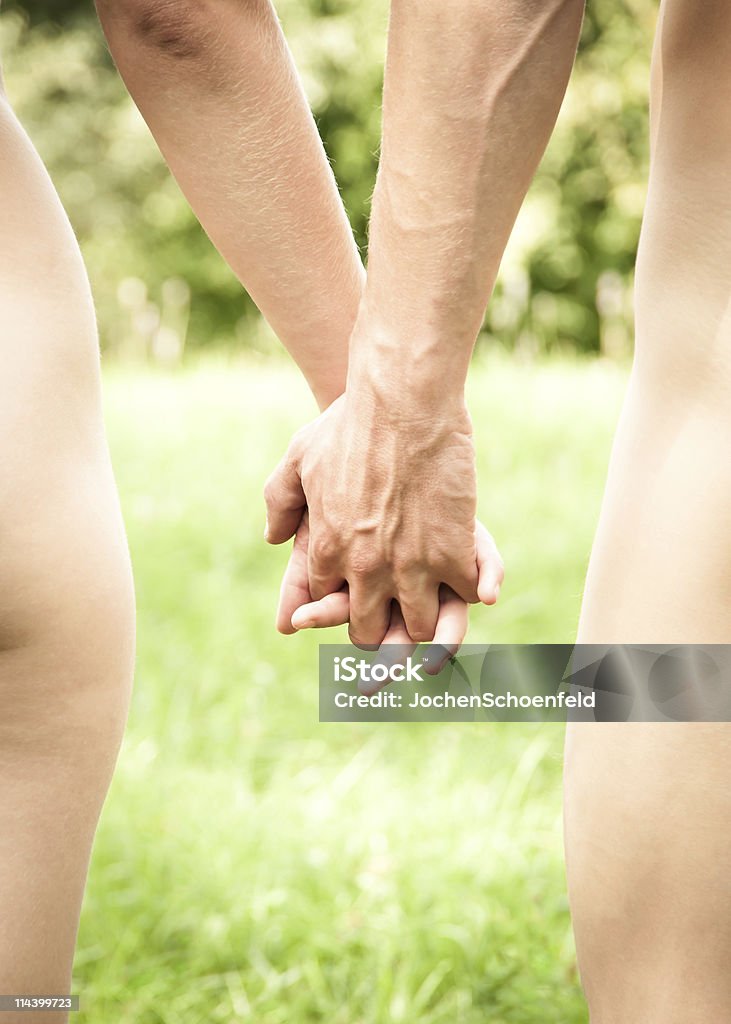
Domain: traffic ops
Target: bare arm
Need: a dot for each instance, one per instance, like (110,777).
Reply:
(471,95)
(218,88)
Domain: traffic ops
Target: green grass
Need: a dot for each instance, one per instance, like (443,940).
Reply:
(253,864)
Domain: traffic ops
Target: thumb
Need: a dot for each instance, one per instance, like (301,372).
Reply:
(489,565)
(285,501)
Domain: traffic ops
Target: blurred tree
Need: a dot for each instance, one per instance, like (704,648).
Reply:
(58,11)
(566,279)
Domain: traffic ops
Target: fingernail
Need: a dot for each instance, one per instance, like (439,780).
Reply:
(266,529)
(497,591)
(303,623)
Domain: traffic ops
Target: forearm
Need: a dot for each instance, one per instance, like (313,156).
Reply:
(471,94)
(218,88)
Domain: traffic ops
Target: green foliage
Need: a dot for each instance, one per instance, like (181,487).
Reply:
(567,274)
(582,219)
(255,865)
(57,11)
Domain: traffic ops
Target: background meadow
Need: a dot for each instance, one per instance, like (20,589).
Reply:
(252,864)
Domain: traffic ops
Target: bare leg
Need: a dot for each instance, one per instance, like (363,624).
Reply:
(648,807)
(66,610)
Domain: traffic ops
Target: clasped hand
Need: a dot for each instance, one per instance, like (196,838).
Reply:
(382,502)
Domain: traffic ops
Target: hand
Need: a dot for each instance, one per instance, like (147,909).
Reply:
(391,500)
(298,611)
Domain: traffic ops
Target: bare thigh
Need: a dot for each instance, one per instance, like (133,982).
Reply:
(648,806)
(66,611)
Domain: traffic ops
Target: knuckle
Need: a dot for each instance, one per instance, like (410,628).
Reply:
(299,443)
(272,490)
(324,549)
(443,562)
(406,565)
(365,564)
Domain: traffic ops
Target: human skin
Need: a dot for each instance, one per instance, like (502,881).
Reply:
(217,85)
(66,603)
(387,473)
(648,806)
(265,193)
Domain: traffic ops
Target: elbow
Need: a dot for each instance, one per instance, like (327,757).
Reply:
(172,27)
(180,30)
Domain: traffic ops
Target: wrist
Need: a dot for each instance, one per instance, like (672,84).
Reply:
(380,398)
(410,372)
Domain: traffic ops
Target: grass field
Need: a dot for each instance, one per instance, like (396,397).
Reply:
(253,864)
